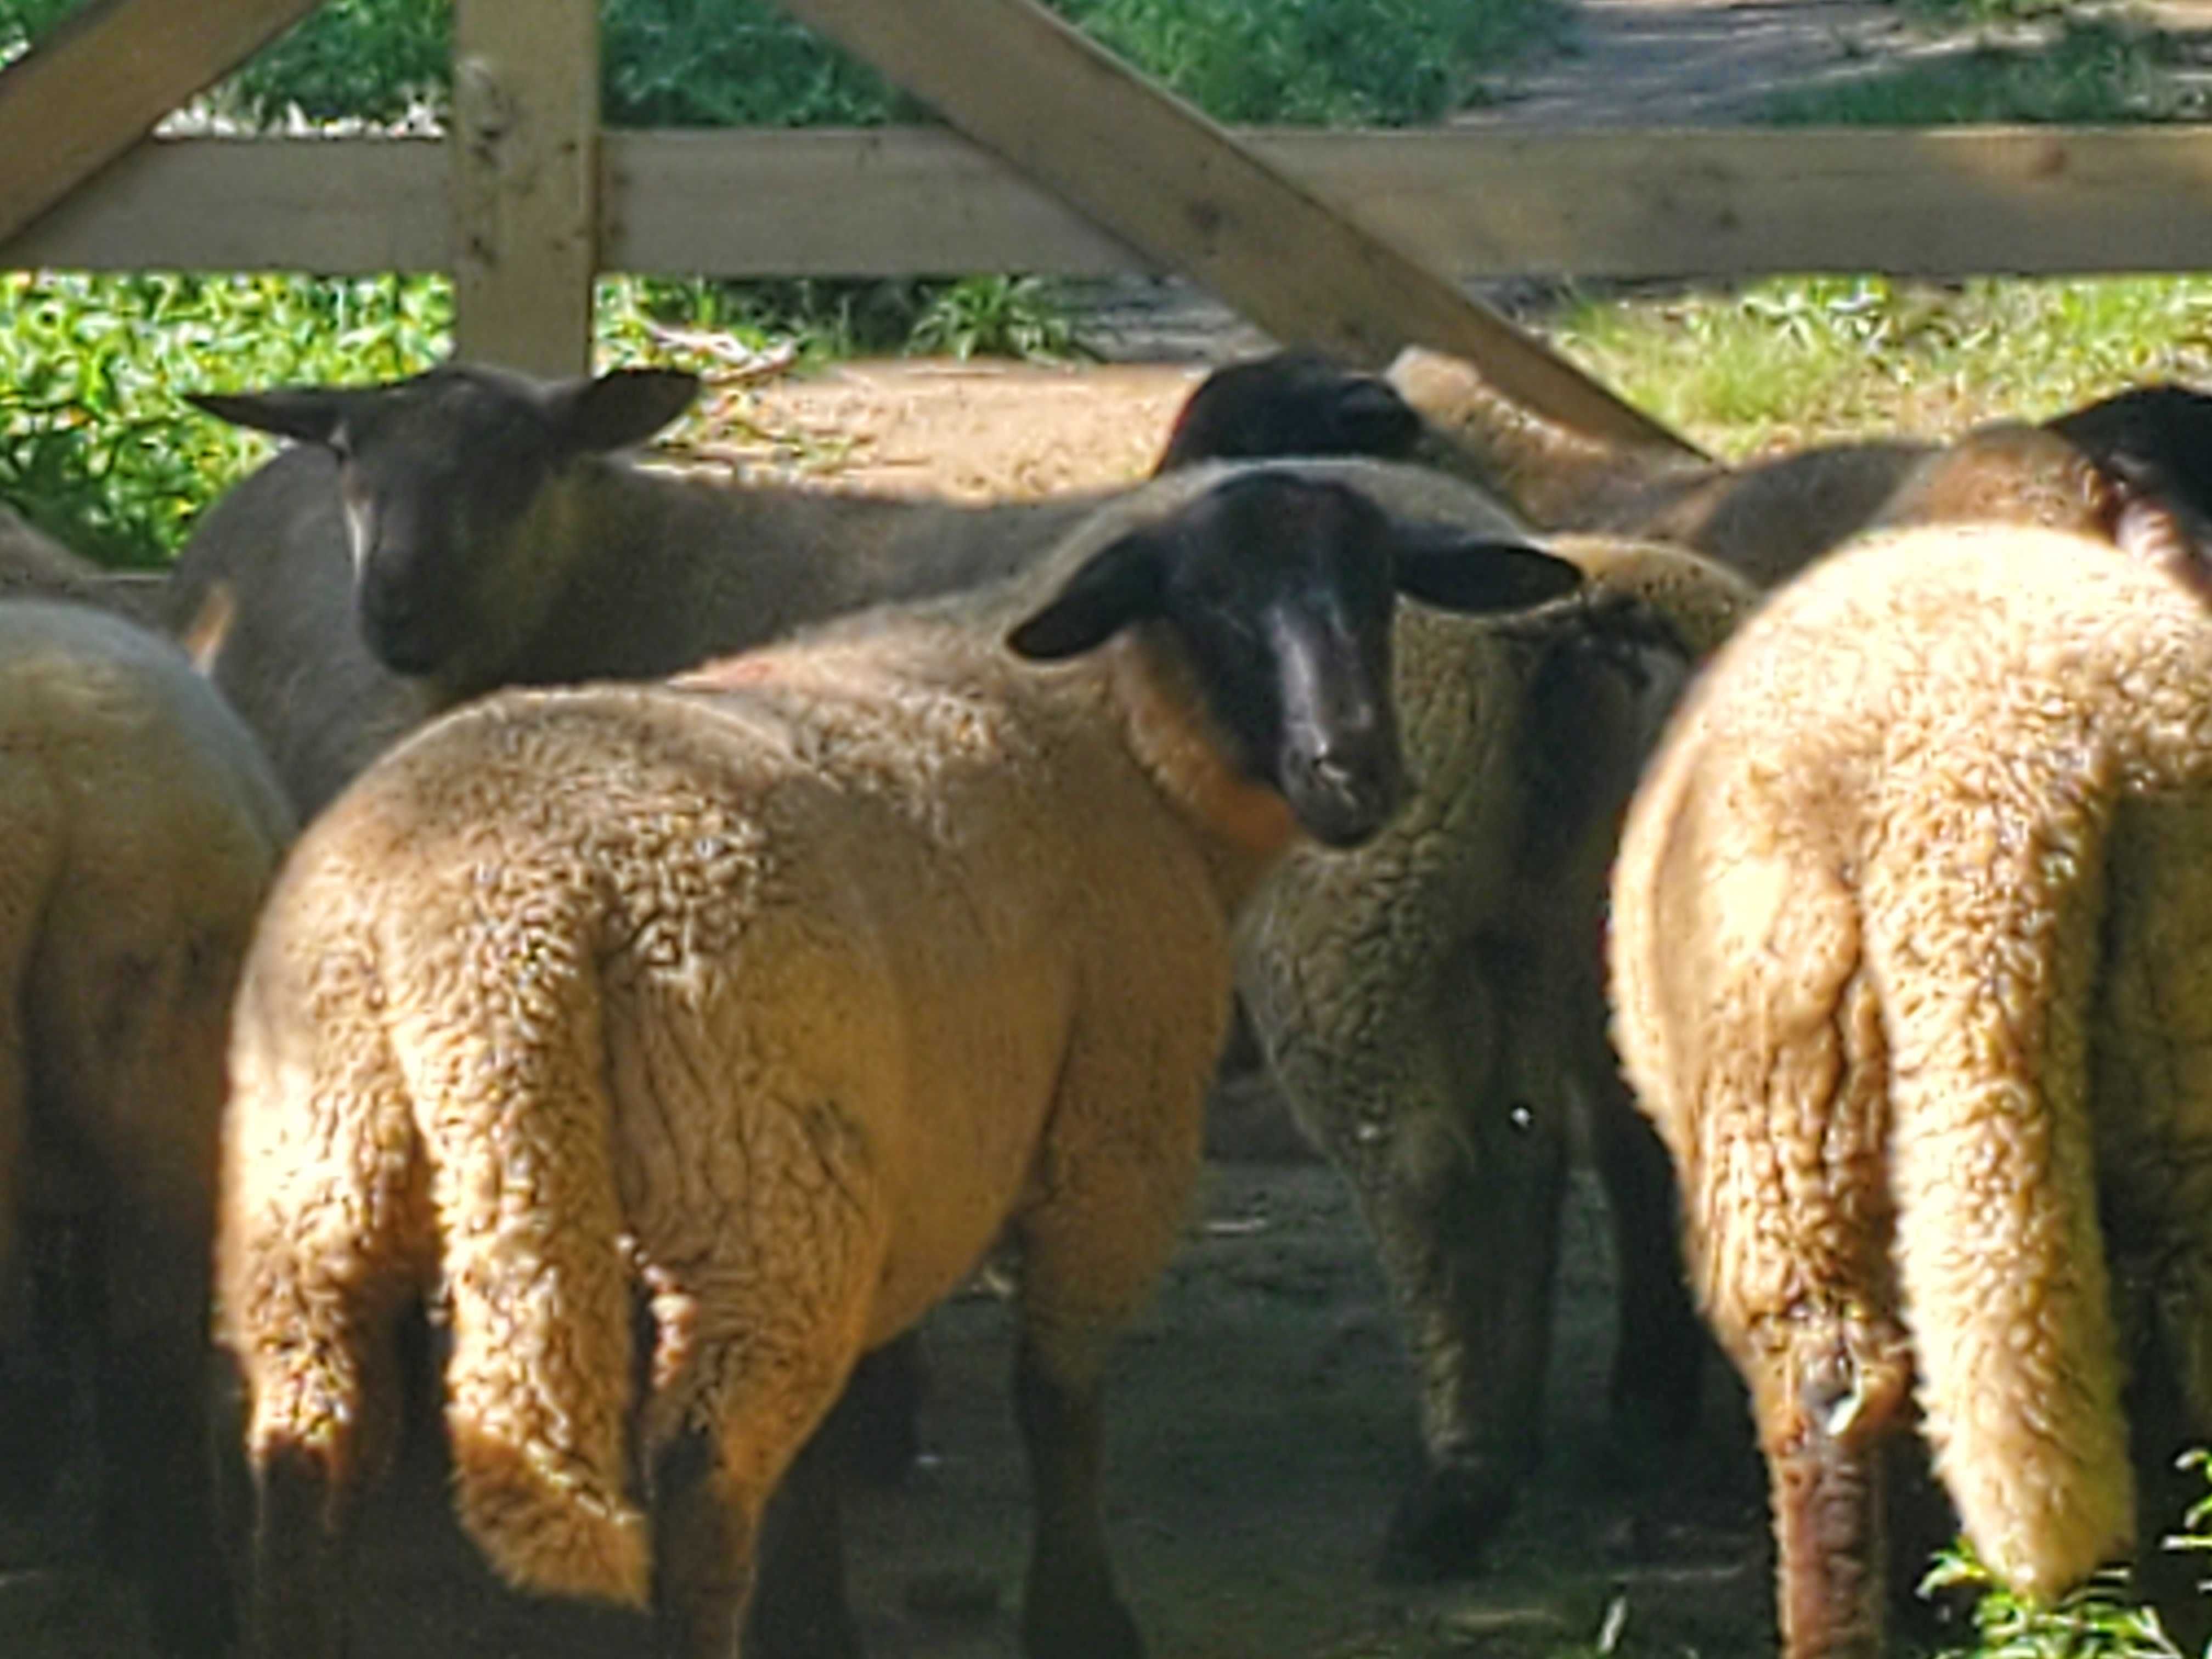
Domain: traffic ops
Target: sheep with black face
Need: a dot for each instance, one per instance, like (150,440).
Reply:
(774,997)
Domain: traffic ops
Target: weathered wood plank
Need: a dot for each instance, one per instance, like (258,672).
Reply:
(525,158)
(1153,171)
(896,200)
(341,206)
(97,85)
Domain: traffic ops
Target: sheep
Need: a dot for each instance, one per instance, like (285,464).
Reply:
(140,828)
(1433,1007)
(33,564)
(1481,1345)
(1769,518)
(1292,403)
(480,483)
(770,997)
(1908,935)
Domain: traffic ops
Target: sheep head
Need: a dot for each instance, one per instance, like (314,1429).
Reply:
(443,477)
(1292,403)
(1275,592)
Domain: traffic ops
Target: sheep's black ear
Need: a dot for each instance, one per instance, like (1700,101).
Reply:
(312,414)
(623,407)
(1113,588)
(1456,569)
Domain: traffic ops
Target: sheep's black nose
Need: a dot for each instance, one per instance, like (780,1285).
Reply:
(396,625)
(1342,793)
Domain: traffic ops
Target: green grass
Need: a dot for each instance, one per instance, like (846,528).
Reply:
(97,446)
(1790,361)
(2100,1620)
(2091,71)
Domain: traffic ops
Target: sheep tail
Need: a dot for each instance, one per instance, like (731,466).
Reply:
(1988,952)
(540,1382)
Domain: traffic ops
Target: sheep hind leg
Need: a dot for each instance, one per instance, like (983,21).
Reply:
(1090,1253)
(799,1608)
(1659,1342)
(301,1548)
(712,1482)
(1829,1522)
(159,1478)
(751,1350)
(1463,1197)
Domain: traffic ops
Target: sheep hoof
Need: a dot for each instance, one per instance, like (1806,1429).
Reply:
(1065,1631)
(1443,1522)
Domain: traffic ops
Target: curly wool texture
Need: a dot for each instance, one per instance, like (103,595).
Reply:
(774,997)
(139,829)
(1909,962)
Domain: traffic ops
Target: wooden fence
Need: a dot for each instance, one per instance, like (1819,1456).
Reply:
(1344,240)
(901,200)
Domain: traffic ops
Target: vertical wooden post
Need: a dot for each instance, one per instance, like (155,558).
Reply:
(524,155)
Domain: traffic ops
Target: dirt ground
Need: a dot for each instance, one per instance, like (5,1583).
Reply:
(1260,1419)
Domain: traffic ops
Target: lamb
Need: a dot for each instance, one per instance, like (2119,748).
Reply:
(1909,941)
(140,828)
(656,1005)
(1769,518)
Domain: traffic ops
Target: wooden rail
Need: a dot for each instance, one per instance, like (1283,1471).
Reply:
(91,90)
(1151,169)
(896,200)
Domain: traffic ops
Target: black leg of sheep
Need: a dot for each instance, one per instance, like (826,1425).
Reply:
(799,1608)
(1069,1608)
(158,1515)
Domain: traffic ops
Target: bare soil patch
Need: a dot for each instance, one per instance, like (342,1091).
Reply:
(1260,1419)
(977,430)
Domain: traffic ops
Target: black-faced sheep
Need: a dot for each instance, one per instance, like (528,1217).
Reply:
(1369,1032)
(1433,1007)
(769,1003)
(1290,403)
(494,540)
(141,828)
(1910,959)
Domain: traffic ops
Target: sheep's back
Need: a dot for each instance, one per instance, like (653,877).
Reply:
(162,828)
(883,892)
(1877,722)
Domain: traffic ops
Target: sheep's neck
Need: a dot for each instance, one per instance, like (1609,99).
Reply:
(1244,826)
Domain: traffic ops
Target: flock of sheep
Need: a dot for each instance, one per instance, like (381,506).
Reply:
(722,914)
